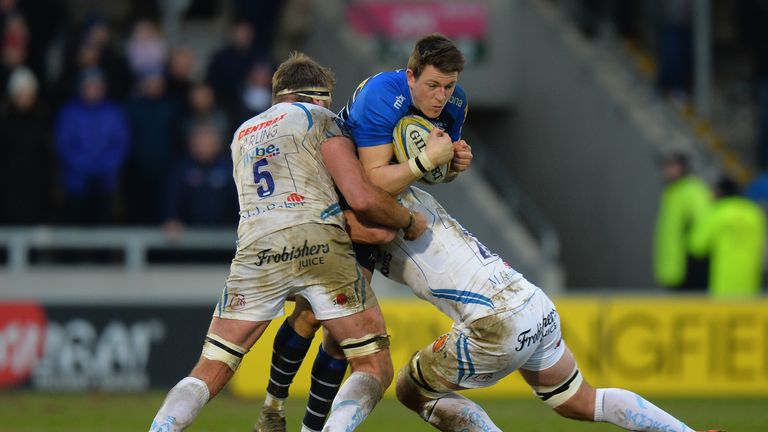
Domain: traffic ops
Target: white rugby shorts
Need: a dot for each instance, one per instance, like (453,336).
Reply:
(315,261)
(481,353)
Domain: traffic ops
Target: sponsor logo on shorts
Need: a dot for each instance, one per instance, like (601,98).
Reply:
(308,254)
(295,198)
(237,302)
(482,378)
(439,343)
(341,300)
(547,325)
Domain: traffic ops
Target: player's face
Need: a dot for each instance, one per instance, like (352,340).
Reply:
(432,89)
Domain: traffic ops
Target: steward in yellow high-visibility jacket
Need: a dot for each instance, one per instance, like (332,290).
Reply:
(732,234)
(684,201)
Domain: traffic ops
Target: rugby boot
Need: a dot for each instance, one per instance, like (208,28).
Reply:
(270,420)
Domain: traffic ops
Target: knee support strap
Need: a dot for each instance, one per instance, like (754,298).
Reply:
(557,395)
(366,345)
(216,348)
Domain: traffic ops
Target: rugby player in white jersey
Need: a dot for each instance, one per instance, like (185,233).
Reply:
(291,242)
(502,322)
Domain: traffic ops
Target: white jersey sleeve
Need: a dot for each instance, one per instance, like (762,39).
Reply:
(449,267)
(279,172)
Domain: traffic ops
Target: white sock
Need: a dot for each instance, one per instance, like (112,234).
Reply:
(630,411)
(181,406)
(454,412)
(355,400)
(273,402)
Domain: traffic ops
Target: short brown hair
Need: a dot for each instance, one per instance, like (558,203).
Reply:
(300,72)
(438,51)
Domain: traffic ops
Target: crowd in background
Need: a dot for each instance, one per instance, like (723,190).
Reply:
(114,127)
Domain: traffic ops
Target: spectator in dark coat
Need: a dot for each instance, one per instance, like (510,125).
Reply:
(154,121)
(92,139)
(13,47)
(94,46)
(200,190)
(230,65)
(25,153)
(181,66)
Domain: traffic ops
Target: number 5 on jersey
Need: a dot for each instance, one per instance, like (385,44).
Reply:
(261,173)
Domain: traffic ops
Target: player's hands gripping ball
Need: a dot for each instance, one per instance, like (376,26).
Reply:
(427,149)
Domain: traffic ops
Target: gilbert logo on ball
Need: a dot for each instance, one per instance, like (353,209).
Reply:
(22,338)
(409,138)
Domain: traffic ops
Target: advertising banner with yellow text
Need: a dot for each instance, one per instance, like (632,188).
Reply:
(654,346)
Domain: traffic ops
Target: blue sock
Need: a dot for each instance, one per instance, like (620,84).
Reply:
(327,374)
(288,351)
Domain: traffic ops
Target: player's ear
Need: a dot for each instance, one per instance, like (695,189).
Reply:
(323,103)
(411,77)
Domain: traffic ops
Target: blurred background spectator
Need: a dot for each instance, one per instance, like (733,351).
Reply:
(685,199)
(732,235)
(675,47)
(199,190)
(92,138)
(180,77)
(25,154)
(229,67)
(15,38)
(202,108)
(93,46)
(257,91)
(146,50)
(154,117)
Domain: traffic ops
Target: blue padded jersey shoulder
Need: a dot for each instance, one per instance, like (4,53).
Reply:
(382,100)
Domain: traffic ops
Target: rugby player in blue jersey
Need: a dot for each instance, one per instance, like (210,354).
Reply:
(502,322)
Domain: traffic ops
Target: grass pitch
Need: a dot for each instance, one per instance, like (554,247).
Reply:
(27,412)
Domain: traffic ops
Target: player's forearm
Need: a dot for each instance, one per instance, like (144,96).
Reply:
(393,178)
(378,207)
(362,231)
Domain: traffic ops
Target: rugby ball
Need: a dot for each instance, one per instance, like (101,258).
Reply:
(409,138)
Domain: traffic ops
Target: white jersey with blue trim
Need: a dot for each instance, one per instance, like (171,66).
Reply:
(449,267)
(279,172)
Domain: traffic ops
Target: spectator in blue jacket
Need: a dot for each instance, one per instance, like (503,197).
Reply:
(91,138)
(200,190)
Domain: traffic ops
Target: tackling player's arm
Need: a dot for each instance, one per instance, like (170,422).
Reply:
(395,178)
(362,231)
(370,202)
